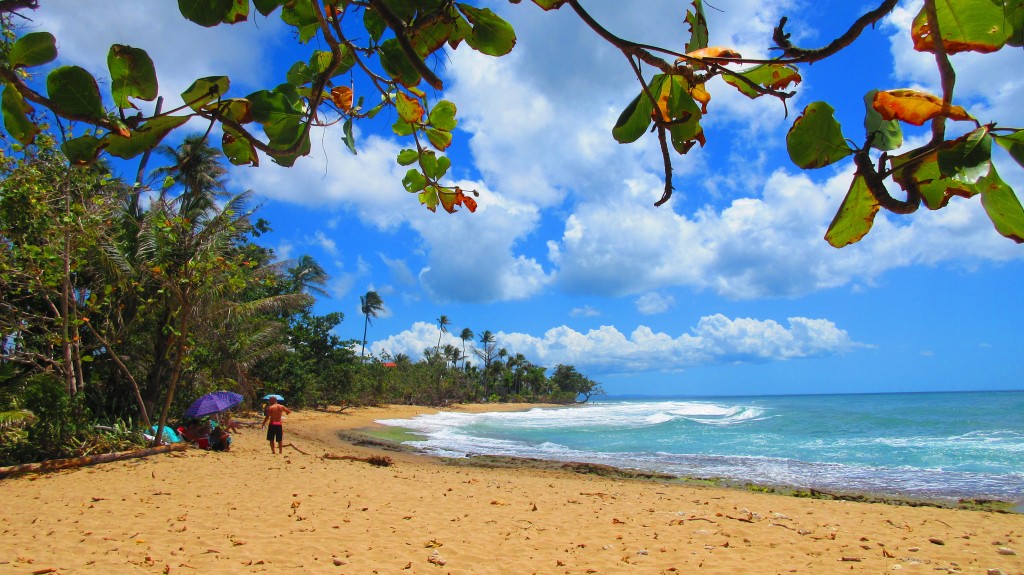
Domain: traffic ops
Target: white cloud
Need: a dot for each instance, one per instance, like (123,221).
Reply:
(652,303)
(770,246)
(715,340)
(585,311)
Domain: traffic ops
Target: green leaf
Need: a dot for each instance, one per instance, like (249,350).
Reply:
(206,12)
(320,61)
(300,74)
(16,121)
(887,133)
(299,13)
(966,26)
(234,109)
(1002,206)
(238,150)
(855,216)
(440,139)
(374,24)
(397,65)
(132,75)
(491,35)
(265,7)
(774,76)
(430,198)
(936,191)
(698,27)
(146,137)
(33,49)
(437,166)
(272,106)
(349,139)
(82,150)
(1014,143)
(414,181)
(968,158)
(442,116)
(549,4)
(634,120)
(402,128)
(239,12)
(407,157)
(205,90)
(816,138)
(74,92)
(409,109)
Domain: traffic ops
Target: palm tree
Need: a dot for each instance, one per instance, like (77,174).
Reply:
(307,275)
(371,304)
(198,169)
(466,335)
(442,324)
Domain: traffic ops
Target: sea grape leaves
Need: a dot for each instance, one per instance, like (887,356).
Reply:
(237,149)
(968,158)
(1002,206)
(33,49)
(914,107)
(491,35)
(635,119)
(82,150)
(935,190)
(1014,143)
(816,139)
(855,216)
(205,90)
(206,13)
(698,27)
(74,92)
(15,112)
(132,75)
(885,134)
(774,76)
(146,137)
(967,26)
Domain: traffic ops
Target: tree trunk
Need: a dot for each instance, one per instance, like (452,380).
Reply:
(56,464)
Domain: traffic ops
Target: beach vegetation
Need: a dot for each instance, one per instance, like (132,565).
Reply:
(389,45)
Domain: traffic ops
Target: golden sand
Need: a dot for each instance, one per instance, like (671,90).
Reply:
(248,511)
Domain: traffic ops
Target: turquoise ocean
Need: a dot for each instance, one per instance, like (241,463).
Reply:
(917,445)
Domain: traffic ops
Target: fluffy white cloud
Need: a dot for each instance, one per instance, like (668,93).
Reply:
(715,339)
(770,246)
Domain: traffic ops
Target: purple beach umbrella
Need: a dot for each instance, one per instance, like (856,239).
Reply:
(211,403)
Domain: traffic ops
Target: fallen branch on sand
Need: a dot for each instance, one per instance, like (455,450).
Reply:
(292,445)
(378,460)
(57,464)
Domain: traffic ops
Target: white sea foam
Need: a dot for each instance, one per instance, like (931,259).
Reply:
(763,442)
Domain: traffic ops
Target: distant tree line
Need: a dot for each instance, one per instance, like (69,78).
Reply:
(120,306)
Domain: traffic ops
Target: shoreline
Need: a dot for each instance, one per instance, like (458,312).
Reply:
(390,438)
(324,507)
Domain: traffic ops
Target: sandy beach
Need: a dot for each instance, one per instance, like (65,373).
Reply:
(248,511)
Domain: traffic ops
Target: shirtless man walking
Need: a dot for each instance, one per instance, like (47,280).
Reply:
(275,430)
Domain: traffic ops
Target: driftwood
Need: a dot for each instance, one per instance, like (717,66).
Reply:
(378,460)
(57,464)
(292,445)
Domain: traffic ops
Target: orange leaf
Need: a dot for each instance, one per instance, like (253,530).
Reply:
(342,97)
(914,107)
(469,202)
(714,54)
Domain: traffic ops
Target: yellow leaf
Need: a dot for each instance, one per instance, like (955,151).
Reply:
(700,94)
(914,107)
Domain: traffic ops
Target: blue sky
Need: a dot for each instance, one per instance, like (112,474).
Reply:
(728,289)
